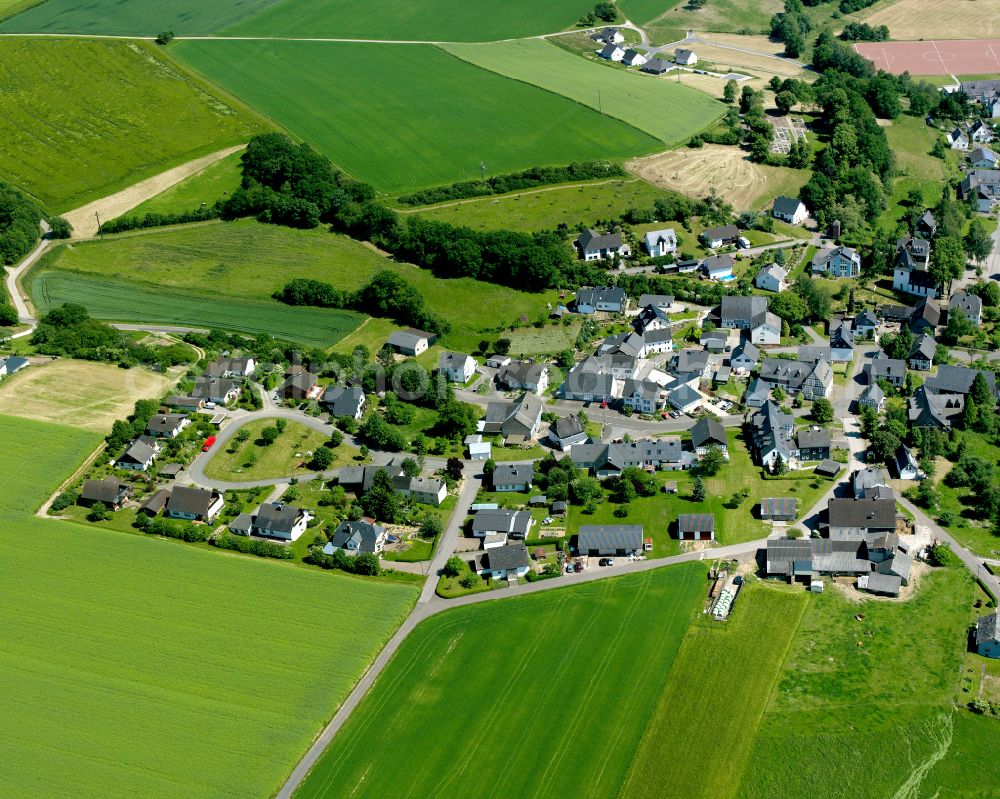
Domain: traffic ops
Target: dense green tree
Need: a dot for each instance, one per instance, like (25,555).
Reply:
(322,459)
(822,411)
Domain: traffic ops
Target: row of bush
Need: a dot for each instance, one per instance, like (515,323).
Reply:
(528,179)
(251,546)
(364,564)
(125,223)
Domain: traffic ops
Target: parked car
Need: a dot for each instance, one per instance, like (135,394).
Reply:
(208,444)
(547,520)
(569,568)
(743,243)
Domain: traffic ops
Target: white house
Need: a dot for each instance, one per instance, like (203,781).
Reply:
(611,52)
(356,537)
(771,278)
(660,242)
(980,132)
(789,209)
(837,262)
(139,456)
(280,520)
(503,563)
(981,158)
(718,267)
(167,425)
(513,477)
(957,139)
(608,298)
(410,341)
(594,246)
(766,329)
(479,450)
(457,366)
(633,58)
(609,36)
(524,375)
(684,57)
(193,504)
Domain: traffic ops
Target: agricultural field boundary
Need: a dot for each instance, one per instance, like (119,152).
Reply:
(84,218)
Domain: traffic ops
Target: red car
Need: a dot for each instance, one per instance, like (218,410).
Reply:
(208,444)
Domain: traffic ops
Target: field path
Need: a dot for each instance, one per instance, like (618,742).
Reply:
(84,219)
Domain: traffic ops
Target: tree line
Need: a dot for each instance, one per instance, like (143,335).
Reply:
(386,295)
(528,179)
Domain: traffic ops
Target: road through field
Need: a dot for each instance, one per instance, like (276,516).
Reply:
(84,219)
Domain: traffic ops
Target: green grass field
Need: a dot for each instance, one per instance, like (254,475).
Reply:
(547,208)
(436,126)
(643,11)
(250,261)
(849,686)
(568,676)
(114,641)
(284,458)
(727,16)
(666,110)
(205,188)
(111,114)
(434,20)
(133,18)
(699,739)
(971,765)
(118,301)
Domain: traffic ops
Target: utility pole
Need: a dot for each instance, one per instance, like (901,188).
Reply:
(600,105)
(482,171)
(100,231)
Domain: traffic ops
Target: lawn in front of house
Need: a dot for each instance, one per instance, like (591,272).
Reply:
(288,456)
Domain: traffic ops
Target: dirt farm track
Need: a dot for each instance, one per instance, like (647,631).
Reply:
(941,57)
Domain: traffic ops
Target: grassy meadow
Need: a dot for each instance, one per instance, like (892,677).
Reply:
(286,457)
(848,686)
(434,20)
(205,188)
(249,261)
(112,113)
(699,739)
(564,676)
(114,641)
(643,11)
(118,301)
(545,209)
(436,126)
(132,18)
(666,110)
(732,16)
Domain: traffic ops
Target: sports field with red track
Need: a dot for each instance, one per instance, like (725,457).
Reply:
(943,57)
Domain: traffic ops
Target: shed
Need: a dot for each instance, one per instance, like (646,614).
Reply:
(696,527)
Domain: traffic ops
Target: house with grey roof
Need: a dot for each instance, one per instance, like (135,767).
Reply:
(716,237)
(696,527)
(410,342)
(813,444)
(771,278)
(361,536)
(983,158)
(684,398)
(219,390)
(591,380)
(607,298)
(865,323)
(619,540)
(891,370)
(922,353)
(656,66)
(594,246)
(852,517)
(708,432)
(609,36)
(690,364)
(611,52)
(982,186)
(745,356)
(167,425)
(872,397)
(659,243)
(458,367)
(837,261)
(864,480)
(662,302)
(758,393)
(110,491)
(926,316)
(958,380)
(280,520)
(789,209)
(567,431)
(980,132)
(988,635)
(193,504)
(634,58)
(841,341)
(344,401)
(957,139)
(812,380)
(911,270)
(521,417)
(515,524)
(778,509)
(905,464)
(12,365)
(524,376)
(139,456)
(772,435)
(927,409)
(513,477)
(643,396)
(718,267)
(504,562)
(609,460)
(927,225)
(685,57)
(231,367)
(967,305)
